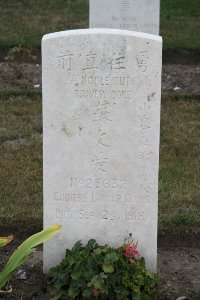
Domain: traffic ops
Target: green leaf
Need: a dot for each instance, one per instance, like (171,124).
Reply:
(97,251)
(87,293)
(26,248)
(5,240)
(99,284)
(56,298)
(76,275)
(108,268)
(145,297)
(140,279)
(93,280)
(103,275)
(105,249)
(91,244)
(150,274)
(136,296)
(111,257)
(77,246)
(142,261)
(73,292)
(136,290)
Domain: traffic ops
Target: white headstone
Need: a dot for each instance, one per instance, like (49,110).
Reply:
(101,114)
(136,15)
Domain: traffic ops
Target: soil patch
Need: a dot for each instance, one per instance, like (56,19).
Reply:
(23,76)
(20,76)
(181,56)
(181,79)
(33,55)
(178,269)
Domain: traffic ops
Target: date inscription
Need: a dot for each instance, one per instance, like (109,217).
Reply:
(103,215)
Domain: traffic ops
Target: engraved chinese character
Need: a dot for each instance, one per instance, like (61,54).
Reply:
(101,136)
(142,175)
(116,62)
(145,121)
(102,113)
(142,61)
(91,62)
(100,162)
(65,62)
(144,138)
(145,189)
(145,118)
(145,155)
(145,106)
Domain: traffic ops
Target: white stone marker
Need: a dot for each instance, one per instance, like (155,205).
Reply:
(101,114)
(137,15)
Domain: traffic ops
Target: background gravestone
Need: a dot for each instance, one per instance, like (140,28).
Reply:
(136,15)
(101,114)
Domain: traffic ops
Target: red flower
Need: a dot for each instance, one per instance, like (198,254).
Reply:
(131,251)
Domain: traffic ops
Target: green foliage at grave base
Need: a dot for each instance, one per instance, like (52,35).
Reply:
(103,272)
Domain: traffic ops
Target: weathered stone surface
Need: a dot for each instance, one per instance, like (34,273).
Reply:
(136,15)
(101,114)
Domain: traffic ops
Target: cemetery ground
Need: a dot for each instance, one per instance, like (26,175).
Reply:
(21,138)
(21,177)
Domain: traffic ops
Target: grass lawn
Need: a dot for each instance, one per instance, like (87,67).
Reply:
(24,22)
(21,163)
(180,23)
(179,192)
